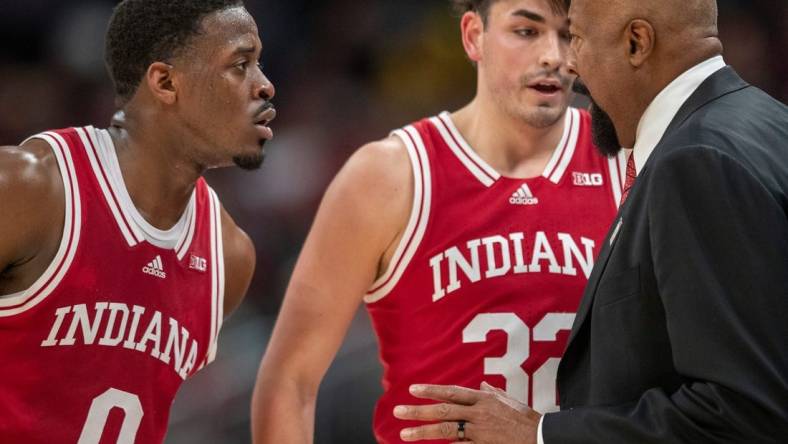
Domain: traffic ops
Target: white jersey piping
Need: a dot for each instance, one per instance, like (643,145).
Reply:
(217,276)
(417,223)
(72,225)
(462,149)
(572,133)
(617,168)
(107,169)
(486,174)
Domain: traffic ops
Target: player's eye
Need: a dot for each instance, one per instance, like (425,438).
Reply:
(242,66)
(526,32)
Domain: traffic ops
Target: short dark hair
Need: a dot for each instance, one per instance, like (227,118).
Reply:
(482,7)
(141,32)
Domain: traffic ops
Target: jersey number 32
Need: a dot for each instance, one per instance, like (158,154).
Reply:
(518,349)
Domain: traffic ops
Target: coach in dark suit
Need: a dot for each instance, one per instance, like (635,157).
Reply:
(682,334)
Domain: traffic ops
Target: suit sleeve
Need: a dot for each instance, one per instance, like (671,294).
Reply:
(719,242)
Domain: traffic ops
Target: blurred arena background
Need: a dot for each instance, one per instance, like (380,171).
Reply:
(346,72)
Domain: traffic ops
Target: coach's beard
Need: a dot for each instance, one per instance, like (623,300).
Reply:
(603,131)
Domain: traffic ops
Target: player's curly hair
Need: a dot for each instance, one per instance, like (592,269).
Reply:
(141,32)
(482,7)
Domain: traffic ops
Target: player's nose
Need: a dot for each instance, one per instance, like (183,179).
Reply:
(265,90)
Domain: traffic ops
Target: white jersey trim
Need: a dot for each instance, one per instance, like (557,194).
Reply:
(72,225)
(617,168)
(186,239)
(419,216)
(565,150)
(130,217)
(91,148)
(460,147)
(217,276)
(486,174)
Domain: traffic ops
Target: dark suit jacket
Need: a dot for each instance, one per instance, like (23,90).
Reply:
(682,334)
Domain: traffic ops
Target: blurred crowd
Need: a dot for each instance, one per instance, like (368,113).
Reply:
(346,72)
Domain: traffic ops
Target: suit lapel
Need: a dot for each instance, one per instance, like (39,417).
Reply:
(593,280)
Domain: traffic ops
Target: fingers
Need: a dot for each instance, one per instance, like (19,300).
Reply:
(485,387)
(448,393)
(442,430)
(433,412)
(503,397)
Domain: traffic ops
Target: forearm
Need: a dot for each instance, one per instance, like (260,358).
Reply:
(282,412)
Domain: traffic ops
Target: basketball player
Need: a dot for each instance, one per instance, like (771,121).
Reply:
(117,261)
(469,235)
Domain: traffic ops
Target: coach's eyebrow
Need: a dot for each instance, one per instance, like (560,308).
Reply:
(529,15)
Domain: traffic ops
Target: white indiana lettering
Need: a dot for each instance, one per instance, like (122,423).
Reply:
(471,270)
(89,323)
(114,309)
(505,255)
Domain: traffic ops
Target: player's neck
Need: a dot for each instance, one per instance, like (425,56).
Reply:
(159,180)
(512,147)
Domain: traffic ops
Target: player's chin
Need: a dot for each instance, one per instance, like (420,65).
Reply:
(251,156)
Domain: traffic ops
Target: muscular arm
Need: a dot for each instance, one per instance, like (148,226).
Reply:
(719,239)
(239,262)
(358,224)
(32,204)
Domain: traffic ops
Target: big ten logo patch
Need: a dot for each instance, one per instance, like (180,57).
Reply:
(587,179)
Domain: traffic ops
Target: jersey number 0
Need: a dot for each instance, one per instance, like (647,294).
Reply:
(99,411)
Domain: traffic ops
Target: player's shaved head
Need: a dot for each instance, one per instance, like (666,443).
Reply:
(627,51)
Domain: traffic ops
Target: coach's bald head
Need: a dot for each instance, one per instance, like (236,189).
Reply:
(627,51)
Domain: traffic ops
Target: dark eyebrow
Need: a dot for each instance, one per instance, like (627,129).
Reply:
(529,15)
(244,50)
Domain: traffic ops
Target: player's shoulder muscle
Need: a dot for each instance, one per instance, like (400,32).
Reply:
(239,260)
(367,206)
(378,174)
(31,190)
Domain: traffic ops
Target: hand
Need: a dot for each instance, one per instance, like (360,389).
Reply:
(489,415)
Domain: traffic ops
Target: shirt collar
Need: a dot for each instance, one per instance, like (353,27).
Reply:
(666,105)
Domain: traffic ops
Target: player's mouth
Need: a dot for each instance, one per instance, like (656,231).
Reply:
(547,87)
(262,119)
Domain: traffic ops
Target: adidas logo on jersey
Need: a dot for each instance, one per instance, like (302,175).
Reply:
(523,196)
(587,179)
(155,268)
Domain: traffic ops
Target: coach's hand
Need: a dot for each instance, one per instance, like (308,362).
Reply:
(486,416)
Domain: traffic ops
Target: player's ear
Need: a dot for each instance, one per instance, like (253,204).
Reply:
(161,82)
(472,28)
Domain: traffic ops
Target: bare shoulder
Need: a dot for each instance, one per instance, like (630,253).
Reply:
(31,192)
(372,198)
(239,262)
(30,181)
(31,167)
(376,181)
(383,161)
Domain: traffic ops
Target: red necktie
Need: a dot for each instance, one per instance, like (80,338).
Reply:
(631,175)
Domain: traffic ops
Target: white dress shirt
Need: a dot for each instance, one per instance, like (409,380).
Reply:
(657,117)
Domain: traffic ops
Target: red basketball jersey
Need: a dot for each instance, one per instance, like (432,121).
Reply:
(94,351)
(490,270)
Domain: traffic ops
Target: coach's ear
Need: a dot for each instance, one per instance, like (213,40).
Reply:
(472,28)
(160,80)
(641,37)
